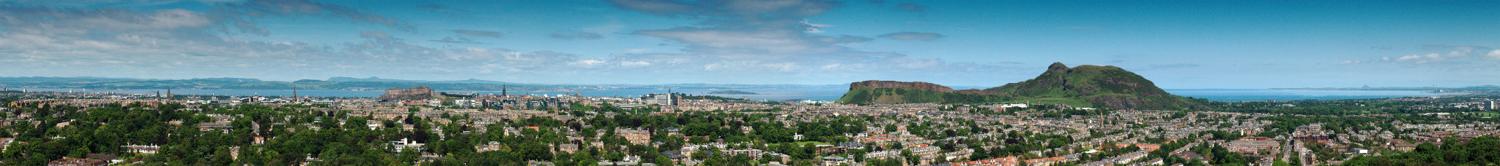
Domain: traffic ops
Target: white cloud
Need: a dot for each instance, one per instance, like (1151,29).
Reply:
(164,19)
(479,33)
(589,62)
(1421,58)
(177,18)
(814,27)
(1444,55)
(1461,51)
(575,35)
(635,64)
(1495,54)
(257,8)
(774,42)
(182,43)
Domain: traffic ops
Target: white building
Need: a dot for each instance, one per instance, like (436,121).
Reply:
(466,103)
(1009,106)
(405,143)
(142,149)
(661,99)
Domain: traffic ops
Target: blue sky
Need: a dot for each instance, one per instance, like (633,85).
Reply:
(1177,44)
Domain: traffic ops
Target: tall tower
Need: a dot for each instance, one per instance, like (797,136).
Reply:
(294,93)
(1491,105)
(504,90)
(671,105)
(169,94)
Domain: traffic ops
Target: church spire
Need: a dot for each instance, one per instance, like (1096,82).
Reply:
(294,92)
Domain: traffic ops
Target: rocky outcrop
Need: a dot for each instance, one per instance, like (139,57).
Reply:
(875,84)
(418,93)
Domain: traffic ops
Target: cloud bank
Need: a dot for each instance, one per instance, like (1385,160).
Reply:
(729,41)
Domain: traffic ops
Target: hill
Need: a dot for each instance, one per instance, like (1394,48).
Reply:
(896,92)
(1102,86)
(1086,85)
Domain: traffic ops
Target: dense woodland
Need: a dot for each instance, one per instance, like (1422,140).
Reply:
(1478,151)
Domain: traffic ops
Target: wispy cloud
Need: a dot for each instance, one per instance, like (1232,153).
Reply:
(762,41)
(913,36)
(456,40)
(242,14)
(1442,54)
(575,35)
(174,42)
(775,39)
(478,33)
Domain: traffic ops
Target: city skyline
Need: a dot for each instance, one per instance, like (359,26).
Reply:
(1222,44)
(750,82)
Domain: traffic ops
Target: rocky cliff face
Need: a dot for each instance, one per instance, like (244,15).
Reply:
(895,92)
(874,84)
(418,93)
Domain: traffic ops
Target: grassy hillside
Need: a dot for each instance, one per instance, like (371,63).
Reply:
(1103,86)
(1082,86)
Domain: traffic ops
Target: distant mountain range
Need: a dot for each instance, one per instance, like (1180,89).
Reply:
(1086,85)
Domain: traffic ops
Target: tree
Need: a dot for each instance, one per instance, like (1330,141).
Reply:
(1478,151)
(910,159)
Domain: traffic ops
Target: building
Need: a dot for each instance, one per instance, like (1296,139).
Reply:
(1491,105)
(70,161)
(836,160)
(1148,147)
(1004,107)
(1000,161)
(219,123)
(467,103)
(406,144)
(661,99)
(638,137)
(142,149)
(1046,161)
(491,146)
(1254,146)
(5,142)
